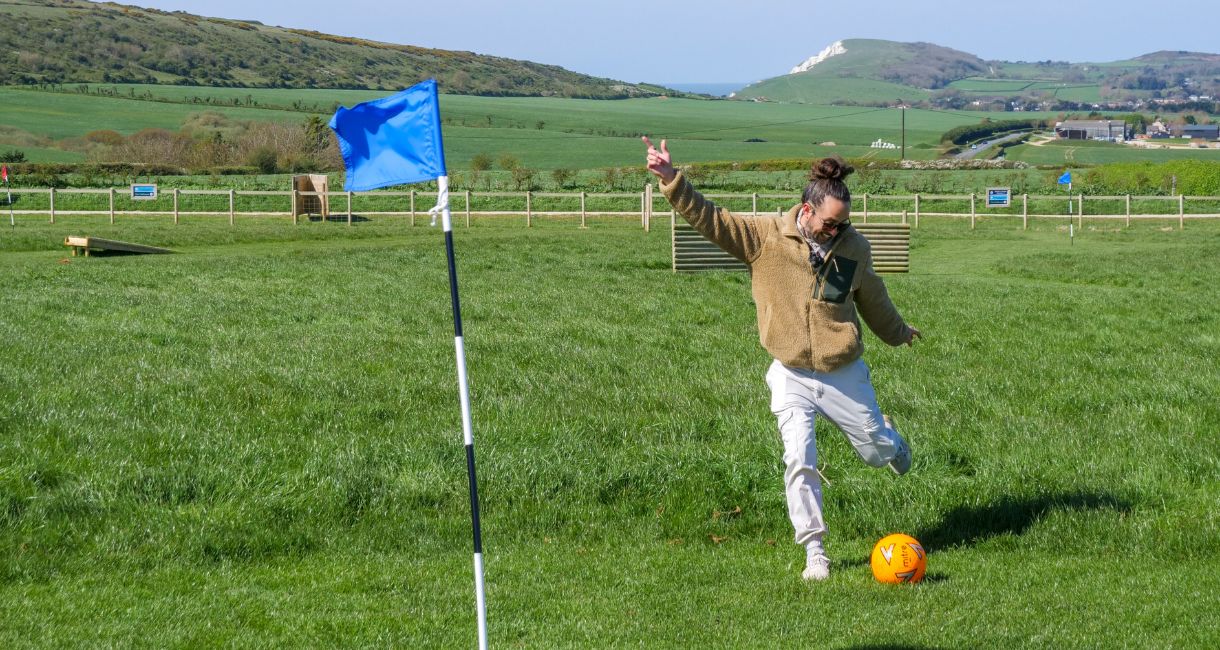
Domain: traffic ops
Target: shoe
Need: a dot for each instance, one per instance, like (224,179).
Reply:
(816,568)
(901,463)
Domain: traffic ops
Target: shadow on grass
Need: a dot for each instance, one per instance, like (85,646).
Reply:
(102,252)
(337,218)
(966,525)
(889,646)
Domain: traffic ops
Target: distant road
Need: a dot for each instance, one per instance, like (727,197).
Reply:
(983,146)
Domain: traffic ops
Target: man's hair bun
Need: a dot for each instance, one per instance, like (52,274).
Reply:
(833,168)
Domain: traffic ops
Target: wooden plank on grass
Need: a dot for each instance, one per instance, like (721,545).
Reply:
(87,244)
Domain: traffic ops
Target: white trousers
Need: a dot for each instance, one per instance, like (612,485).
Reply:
(846,398)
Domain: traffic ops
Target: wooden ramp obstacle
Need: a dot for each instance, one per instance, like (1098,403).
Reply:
(891,244)
(86,244)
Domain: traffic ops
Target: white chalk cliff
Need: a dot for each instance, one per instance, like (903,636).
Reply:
(834,49)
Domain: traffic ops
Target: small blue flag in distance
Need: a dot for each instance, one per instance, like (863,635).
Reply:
(393,140)
(1066,178)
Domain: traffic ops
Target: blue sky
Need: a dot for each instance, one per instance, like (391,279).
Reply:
(735,40)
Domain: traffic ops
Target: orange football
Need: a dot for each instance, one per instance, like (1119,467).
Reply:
(899,558)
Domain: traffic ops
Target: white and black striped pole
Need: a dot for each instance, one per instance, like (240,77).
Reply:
(11,221)
(442,202)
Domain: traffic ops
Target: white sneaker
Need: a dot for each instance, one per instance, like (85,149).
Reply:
(901,463)
(817,567)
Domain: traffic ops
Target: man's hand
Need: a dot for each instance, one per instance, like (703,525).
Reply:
(659,162)
(915,334)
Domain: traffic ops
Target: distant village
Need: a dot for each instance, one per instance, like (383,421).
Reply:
(1173,100)
(1120,131)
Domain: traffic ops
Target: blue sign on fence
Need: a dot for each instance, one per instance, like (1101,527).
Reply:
(998,197)
(145,192)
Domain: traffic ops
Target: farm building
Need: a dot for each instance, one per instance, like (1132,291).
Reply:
(1199,131)
(1091,130)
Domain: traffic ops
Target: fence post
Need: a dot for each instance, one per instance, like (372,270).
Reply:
(1024,212)
(648,207)
(972,210)
(1080,211)
(52,205)
(904,217)
(112,206)
(1128,210)
(529,217)
(175,206)
(866,207)
(295,220)
(232,205)
(754,204)
(916,210)
(643,210)
(648,219)
(1181,212)
(467,208)
(349,208)
(412,208)
(582,210)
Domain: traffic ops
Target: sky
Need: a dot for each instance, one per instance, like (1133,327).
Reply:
(721,41)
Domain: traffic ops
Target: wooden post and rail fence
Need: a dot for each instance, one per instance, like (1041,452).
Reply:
(869,212)
(50,203)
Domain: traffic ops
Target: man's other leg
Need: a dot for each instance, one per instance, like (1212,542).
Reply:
(850,402)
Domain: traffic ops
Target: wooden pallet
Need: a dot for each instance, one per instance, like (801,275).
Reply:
(86,244)
(891,244)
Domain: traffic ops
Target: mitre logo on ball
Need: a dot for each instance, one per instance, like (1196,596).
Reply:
(899,558)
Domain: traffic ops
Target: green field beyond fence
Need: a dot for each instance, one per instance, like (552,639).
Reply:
(256,442)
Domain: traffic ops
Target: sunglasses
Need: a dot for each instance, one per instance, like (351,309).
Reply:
(836,226)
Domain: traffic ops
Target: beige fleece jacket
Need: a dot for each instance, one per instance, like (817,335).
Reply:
(806,319)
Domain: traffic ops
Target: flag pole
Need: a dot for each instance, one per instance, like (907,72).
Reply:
(12,222)
(1071,230)
(442,184)
(394,141)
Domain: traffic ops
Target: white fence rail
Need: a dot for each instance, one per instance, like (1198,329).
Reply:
(114,203)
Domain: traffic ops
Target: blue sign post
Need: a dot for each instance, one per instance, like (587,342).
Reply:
(143,192)
(998,197)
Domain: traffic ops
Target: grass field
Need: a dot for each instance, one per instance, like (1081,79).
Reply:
(544,133)
(1088,152)
(256,442)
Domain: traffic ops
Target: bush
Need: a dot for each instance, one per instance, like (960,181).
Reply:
(969,132)
(236,170)
(263,159)
(509,162)
(1197,177)
(106,137)
(481,162)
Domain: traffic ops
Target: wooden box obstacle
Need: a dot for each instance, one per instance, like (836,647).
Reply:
(310,195)
(86,244)
(891,244)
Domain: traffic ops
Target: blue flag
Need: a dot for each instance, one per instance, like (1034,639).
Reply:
(393,140)
(1066,178)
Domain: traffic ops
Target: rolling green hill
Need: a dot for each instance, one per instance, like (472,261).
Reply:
(877,72)
(73,41)
(892,72)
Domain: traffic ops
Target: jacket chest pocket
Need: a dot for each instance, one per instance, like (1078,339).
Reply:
(837,275)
